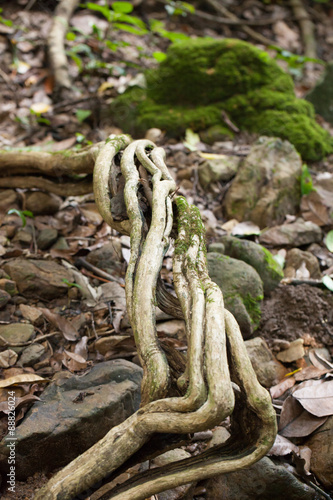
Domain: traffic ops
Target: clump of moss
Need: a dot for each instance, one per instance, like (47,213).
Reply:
(201,78)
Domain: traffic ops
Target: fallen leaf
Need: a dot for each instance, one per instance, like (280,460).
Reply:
(316,396)
(297,422)
(313,209)
(279,389)
(8,358)
(282,446)
(246,228)
(328,282)
(25,378)
(329,241)
(318,360)
(19,402)
(309,372)
(66,328)
(81,348)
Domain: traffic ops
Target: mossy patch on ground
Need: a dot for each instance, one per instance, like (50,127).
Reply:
(202,77)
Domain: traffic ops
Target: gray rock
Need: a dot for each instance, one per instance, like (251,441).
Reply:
(267,185)
(296,258)
(256,256)
(23,236)
(73,414)
(39,279)
(46,238)
(40,203)
(322,95)
(222,169)
(269,371)
(108,257)
(262,481)
(61,244)
(8,199)
(297,234)
(17,332)
(242,289)
(4,298)
(31,355)
(216,247)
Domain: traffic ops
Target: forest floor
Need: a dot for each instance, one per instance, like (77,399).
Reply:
(72,227)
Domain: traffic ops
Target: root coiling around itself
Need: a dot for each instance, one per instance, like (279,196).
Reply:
(217,361)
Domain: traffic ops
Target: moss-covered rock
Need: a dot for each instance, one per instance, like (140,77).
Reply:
(242,289)
(256,256)
(200,78)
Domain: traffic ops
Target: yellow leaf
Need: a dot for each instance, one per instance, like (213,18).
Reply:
(40,107)
(24,378)
(211,156)
(103,87)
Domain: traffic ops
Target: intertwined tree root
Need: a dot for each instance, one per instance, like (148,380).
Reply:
(218,380)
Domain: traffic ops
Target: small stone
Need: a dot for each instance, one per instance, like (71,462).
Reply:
(61,244)
(242,289)
(32,314)
(9,286)
(297,234)
(40,203)
(268,370)
(23,236)
(294,352)
(222,169)
(39,278)
(8,199)
(46,238)
(4,298)
(8,358)
(108,257)
(220,436)
(16,333)
(256,256)
(168,458)
(154,135)
(172,328)
(296,258)
(31,354)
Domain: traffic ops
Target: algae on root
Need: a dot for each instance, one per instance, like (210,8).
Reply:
(202,77)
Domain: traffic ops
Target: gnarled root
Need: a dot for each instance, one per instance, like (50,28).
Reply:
(217,360)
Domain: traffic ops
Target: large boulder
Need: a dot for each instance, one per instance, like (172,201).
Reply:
(200,78)
(261,481)
(242,289)
(40,279)
(256,256)
(267,185)
(73,414)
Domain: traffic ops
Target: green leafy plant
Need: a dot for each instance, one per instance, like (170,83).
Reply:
(82,114)
(306,181)
(329,241)
(7,22)
(295,61)
(177,8)
(23,214)
(71,285)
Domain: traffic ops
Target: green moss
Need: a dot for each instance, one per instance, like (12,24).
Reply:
(200,78)
(271,262)
(253,308)
(311,140)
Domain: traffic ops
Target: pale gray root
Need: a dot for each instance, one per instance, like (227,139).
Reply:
(307,28)
(56,43)
(208,395)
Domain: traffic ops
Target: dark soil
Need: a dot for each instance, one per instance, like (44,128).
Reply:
(292,312)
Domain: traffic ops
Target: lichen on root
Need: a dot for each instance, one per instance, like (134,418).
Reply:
(218,379)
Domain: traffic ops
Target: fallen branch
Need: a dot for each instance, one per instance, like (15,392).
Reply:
(307,28)
(56,45)
(217,360)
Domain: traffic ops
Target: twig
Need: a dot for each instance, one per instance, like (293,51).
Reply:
(249,31)
(82,262)
(307,28)
(56,45)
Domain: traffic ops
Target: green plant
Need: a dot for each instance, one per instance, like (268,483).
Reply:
(295,62)
(71,285)
(7,22)
(306,181)
(23,214)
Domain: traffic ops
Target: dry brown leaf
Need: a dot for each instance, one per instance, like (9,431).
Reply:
(316,396)
(313,209)
(81,348)
(309,372)
(282,446)
(25,378)
(75,363)
(66,328)
(19,402)
(297,422)
(318,360)
(279,389)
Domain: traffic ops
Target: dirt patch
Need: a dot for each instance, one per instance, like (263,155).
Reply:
(293,311)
